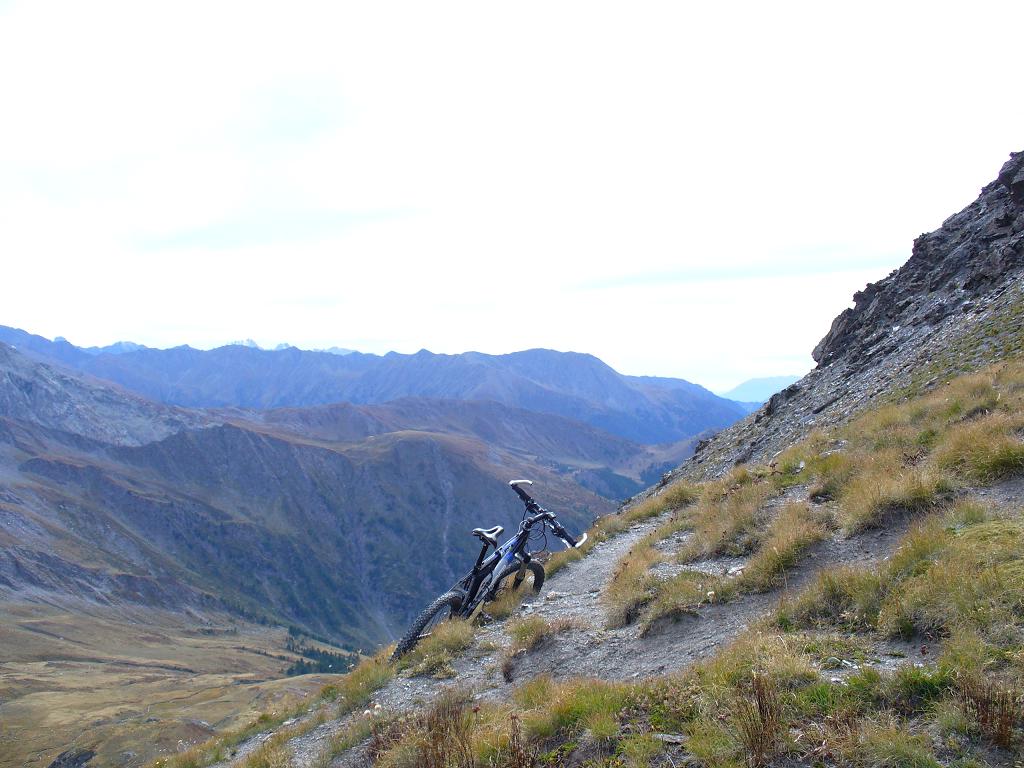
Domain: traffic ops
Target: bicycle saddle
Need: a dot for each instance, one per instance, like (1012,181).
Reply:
(490,535)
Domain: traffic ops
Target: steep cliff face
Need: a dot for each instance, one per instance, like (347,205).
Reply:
(957,303)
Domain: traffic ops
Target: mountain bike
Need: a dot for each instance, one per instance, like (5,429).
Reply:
(481,585)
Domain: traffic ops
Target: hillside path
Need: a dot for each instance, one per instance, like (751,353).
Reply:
(590,648)
(574,592)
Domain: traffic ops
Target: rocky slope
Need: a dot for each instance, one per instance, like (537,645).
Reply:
(957,303)
(50,398)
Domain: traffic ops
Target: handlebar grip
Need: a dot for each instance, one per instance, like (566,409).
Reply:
(520,492)
(563,534)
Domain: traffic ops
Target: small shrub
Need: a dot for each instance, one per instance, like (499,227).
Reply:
(995,708)
(758,721)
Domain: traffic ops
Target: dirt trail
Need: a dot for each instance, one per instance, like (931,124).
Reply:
(590,649)
(574,592)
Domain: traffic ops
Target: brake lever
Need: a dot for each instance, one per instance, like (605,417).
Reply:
(564,537)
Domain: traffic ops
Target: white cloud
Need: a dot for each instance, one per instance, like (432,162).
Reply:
(681,189)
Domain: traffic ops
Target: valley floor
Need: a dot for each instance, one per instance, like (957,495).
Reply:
(129,685)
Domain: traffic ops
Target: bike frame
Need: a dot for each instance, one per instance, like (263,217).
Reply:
(478,582)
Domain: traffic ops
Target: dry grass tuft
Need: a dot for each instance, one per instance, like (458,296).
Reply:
(632,585)
(439,737)
(725,522)
(433,655)
(847,598)
(510,598)
(674,496)
(983,450)
(881,484)
(886,743)
(683,594)
(529,632)
(795,528)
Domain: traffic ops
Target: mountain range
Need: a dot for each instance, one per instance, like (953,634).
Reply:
(289,486)
(581,387)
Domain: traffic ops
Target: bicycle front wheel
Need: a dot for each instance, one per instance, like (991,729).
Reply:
(532,572)
(442,609)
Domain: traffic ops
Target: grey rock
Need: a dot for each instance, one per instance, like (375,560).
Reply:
(76,757)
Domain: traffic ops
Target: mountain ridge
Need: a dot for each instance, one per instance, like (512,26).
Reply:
(575,385)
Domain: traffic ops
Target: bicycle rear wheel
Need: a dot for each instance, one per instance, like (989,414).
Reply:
(442,609)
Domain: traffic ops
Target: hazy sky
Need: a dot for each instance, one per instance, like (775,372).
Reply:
(683,189)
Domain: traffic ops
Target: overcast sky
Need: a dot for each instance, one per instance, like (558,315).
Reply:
(683,189)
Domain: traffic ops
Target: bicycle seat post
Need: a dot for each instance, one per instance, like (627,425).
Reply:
(483,554)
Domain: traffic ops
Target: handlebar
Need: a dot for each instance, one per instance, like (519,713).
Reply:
(542,514)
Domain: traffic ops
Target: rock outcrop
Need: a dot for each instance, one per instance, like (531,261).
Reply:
(957,303)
